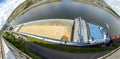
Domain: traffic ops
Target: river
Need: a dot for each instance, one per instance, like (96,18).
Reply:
(67,9)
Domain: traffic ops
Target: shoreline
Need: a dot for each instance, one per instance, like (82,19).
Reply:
(18,13)
(100,4)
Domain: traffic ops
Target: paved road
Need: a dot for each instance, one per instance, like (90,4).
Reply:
(54,54)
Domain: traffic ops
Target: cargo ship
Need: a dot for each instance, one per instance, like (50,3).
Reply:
(80,33)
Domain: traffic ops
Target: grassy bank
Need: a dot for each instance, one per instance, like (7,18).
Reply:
(25,5)
(49,1)
(70,48)
(85,1)
(53,0)
(20,44)
(101,4)
(21,7)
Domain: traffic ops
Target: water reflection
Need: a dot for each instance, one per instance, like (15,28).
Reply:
(71,10)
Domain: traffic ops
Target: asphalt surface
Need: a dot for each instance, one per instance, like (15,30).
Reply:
(55,54)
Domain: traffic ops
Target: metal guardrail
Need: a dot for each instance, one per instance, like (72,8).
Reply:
(53,40)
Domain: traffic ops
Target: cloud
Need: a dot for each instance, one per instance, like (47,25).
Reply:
(6,8)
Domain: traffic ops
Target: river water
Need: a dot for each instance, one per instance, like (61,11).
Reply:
(67,9)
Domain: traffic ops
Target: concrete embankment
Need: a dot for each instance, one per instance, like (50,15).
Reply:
(11,52)
(7,52)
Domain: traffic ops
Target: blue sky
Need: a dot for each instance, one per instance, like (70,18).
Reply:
(2,1)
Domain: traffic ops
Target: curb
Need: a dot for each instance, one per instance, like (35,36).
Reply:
(107,55)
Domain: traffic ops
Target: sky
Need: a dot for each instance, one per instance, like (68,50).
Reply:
(6,8)
(2,1)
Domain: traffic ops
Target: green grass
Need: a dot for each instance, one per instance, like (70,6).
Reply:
(71,49)
(20,44)
(53,0)
(85,1)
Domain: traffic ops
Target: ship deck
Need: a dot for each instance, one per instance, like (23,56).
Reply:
(95,32)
